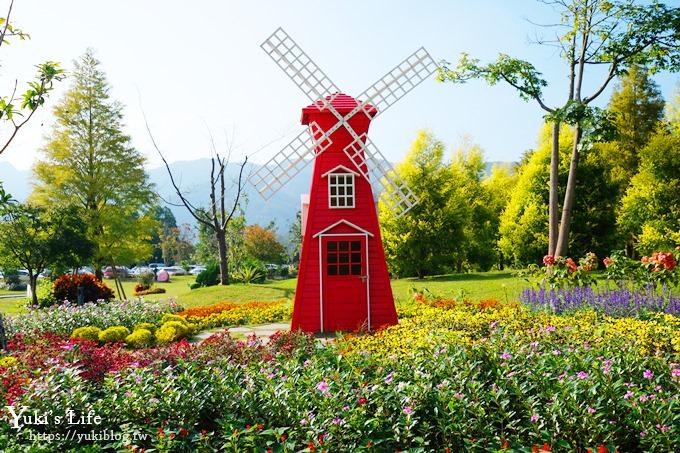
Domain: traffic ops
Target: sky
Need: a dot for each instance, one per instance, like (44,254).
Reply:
(197,73)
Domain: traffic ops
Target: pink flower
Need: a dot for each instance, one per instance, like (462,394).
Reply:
(408,410)
(534,418)
(548,260)
(582,375)
(648,374)
(322,387)
(607,262)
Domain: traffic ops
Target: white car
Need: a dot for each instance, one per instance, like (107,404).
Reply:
(195,270)
(175,270)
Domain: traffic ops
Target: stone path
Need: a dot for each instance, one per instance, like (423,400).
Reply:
(262,331)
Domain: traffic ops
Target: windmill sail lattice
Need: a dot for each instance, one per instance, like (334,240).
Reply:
(320,89)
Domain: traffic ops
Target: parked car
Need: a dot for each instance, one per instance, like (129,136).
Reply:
(195,270)
(175,270)
(121,271)
(139,270)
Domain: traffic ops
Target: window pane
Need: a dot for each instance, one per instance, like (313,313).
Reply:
(344,258)
(332,258)
(344,269)
(356,246)
(332,270)
(344,245)
(331,246)
(356,269)
(356,257)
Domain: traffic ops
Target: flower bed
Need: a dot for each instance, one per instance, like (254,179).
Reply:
(65,318)
(451,377)
(231,314)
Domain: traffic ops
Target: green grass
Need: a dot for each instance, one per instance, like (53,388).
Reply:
(501,285)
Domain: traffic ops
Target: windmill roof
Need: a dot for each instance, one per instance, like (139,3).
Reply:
(341,102)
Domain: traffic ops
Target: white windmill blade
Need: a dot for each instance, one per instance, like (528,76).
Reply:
(298,66)
(290,161)
(370,162)
(399,81)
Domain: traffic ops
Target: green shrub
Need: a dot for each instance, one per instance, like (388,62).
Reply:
(249,273)
(209,277)
(45,293)
(140,338)
(146,279)
(147,326)
(87,333)
(113,334)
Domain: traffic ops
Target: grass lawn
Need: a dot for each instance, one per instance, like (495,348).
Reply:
(501,285)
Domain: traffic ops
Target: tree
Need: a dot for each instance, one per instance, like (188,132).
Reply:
(478,244)
(88,160)
(262,244)
(613,35)
(499,186)
(166,221)
(35,237)
(650,210)
(636,108)
(38,90)
(424,240)
(221,210)
(178,244)
(522,229)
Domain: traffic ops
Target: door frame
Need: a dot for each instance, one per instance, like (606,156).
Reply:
(322,272)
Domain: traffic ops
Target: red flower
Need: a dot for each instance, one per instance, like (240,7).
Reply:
(602,449)
(505,445)
(548,260)
(545,447)
(183,432)
(572,268)
(607,262)
(310,446)
(362,401)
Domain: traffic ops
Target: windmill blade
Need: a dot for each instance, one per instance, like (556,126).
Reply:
(290,161)
(399,81)
(373,166)
(298,66)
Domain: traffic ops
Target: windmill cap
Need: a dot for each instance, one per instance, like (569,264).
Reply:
(340,102)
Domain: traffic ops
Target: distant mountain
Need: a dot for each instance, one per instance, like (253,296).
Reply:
(15,182)
(193,178)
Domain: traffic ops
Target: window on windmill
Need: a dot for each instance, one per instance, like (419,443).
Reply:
(341,190)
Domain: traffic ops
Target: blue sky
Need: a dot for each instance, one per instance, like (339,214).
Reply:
(197,70)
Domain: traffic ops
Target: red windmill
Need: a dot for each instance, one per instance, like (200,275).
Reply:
(343,283)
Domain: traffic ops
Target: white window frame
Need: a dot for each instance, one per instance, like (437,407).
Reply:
(347,184)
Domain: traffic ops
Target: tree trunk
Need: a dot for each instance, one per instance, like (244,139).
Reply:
(570,192)
(553,208)
(33,284)
(221,236)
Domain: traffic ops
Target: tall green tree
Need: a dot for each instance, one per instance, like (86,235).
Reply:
(610,35)
(499,185)
(478,243)
(650,210)
(523,233)
(88,160)
(35,237)
(636,106)
(423,241)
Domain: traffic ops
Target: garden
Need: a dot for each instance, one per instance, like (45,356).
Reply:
(579,361)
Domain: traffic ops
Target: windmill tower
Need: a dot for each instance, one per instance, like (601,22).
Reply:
(343,282)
